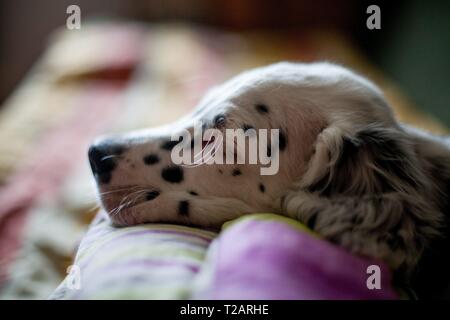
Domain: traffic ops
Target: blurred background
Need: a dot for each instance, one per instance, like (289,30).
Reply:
(412,47)
(142,63)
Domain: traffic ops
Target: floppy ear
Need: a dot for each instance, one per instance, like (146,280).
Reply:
(367,192)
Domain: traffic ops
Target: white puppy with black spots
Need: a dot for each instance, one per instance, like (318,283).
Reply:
(347,168)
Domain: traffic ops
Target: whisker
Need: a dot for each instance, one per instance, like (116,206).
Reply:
(109,157)
(93,208)
(118,190)
(124,205)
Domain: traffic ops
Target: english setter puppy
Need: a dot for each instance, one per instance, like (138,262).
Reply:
(347,168)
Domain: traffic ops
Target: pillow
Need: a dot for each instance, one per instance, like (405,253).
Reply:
(260,256)
(152,261)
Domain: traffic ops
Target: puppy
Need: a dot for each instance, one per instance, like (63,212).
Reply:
(347,168)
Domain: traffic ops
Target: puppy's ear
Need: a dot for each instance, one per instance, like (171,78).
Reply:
(371,161)
(366,191)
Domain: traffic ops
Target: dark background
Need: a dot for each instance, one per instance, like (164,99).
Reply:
(412,47)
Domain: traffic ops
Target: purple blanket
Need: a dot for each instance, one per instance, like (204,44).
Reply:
(275,259)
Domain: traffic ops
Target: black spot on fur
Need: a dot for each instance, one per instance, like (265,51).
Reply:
(193,193)
(262,188)
(151,159)
(236,172)
(262,108)
(169,144)
(282,141)
(173,174)
(220,171)
(152,195)
(183,208)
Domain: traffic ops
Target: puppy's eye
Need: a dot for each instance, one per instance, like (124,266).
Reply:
(219,121)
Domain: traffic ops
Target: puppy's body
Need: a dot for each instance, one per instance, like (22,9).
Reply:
(347,168)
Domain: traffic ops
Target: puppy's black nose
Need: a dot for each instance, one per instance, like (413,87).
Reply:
(103,160)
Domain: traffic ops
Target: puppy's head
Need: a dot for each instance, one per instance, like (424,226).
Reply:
(345,166)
